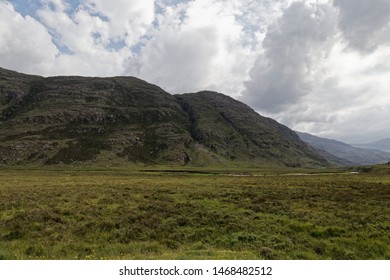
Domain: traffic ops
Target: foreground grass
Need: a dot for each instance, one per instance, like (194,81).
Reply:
(102,214)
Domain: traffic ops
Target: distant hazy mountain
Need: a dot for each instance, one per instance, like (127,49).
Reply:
(122,120)
(344,154)
(383,145)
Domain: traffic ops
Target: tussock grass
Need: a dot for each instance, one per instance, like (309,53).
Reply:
(129,214)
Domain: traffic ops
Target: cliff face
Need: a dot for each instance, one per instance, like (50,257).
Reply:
(123,120)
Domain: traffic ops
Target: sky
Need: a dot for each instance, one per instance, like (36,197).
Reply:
(317,66)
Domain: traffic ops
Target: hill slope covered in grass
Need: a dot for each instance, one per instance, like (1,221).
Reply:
(124,120)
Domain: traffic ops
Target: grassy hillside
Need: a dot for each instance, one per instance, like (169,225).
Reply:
(76,119)
(124,120)
(233,130)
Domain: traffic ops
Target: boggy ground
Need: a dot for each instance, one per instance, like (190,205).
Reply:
(133,214)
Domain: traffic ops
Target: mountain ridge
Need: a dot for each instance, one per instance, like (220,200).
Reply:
(382,144)
(344,154)
(125,120)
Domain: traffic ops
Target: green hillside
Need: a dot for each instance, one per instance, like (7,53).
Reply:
(124,120)
(234,131)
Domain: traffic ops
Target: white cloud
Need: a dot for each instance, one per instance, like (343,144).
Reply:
(197,46)
(294,47)
(25,44)
(127,20)
(352,103)
(89,32)
(315,77)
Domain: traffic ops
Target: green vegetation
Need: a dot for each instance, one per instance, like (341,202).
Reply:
(123,120)
(236,132)
(193,214)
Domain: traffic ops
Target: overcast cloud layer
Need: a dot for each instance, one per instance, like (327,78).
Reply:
(319,66)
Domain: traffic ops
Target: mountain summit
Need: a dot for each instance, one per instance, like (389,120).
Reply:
(122,120)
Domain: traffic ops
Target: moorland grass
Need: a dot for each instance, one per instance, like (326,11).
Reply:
(133,214)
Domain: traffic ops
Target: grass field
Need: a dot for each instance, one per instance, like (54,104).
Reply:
(152,214)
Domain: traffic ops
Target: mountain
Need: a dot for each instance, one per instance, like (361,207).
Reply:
(343,154)
(122,120)
(235,131)
(383,144)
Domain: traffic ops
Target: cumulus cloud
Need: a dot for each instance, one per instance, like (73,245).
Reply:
(97,36)
(197,46)
(127,20)
(310,77)
(365,24)
(25,44)
(98,21)
(352,101)
(179,62)
(294,46)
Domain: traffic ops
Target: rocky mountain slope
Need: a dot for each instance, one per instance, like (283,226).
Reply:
(124,120)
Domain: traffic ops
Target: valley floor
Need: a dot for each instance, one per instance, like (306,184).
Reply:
(158,214)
